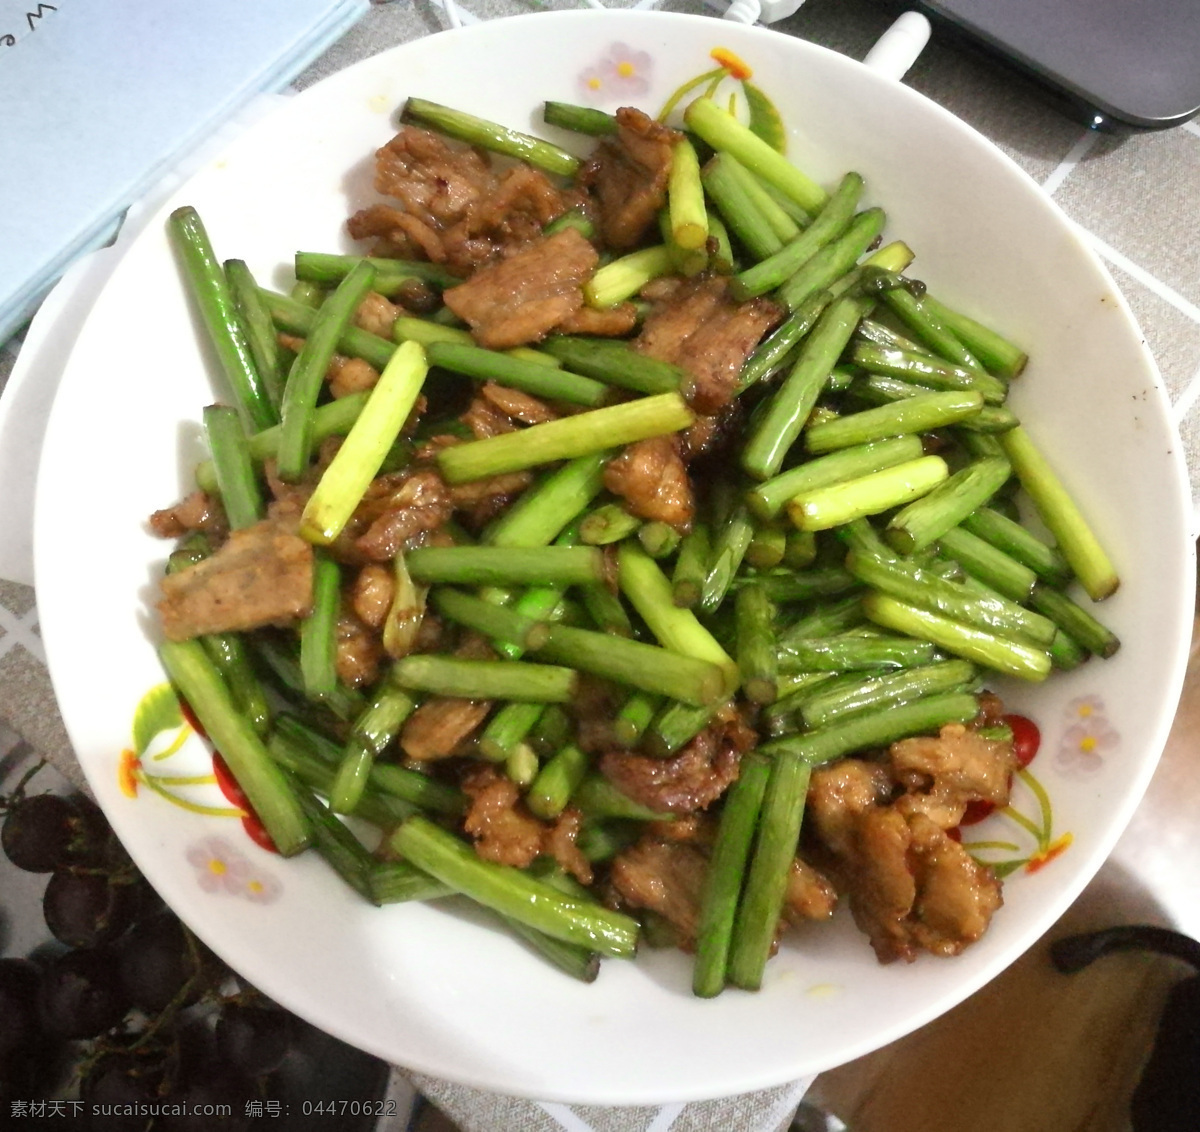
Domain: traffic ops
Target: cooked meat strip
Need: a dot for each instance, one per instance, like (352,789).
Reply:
(881,884)
(838,793)
(666,877)
(520,406)
(910,886)
(810,894)
(943,773)
(710,436)
(702,329)
(350,375)
(560,844)
(457,209)
(374,588)
(652,479)
(397,233)
(521,298)
(376,314)
(198,511)
(395,509)
(440,727)
(956,895)
(486,420)
(691,780)
(262,575)
(480,501)
(611,322)
(434,178)
(358,649)
(629,173)
(503,829)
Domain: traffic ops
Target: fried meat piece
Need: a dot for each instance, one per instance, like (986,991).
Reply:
(262,575)
(691,780)
(395,509)
(956,895)
(486,420)
(374,588)
(376,314)
(666,877)
(514,403)
(810,894)
(697,325)
(441,726)
(652,479)
(198,511)
(944,773)
(357,650)
(457,210)
(350,375)
(609,322)
(521,298)
(838,794)
(629,173)
(910,886)
(506,832)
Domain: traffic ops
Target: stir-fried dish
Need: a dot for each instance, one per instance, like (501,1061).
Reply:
(627,543)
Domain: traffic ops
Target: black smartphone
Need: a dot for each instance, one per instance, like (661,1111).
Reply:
(1114,64)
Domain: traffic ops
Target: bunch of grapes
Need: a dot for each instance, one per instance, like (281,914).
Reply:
(128,1007)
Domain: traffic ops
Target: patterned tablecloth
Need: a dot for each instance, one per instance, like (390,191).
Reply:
(1131,196)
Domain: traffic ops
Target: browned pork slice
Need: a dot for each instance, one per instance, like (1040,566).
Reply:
(697,325)
(650,476)
(441,726)
(609,322)
(629,173)
(198,511)
(691,780)
(515,403)
(666,877)
(810,894)
(397,508)
(943,773)
(357,650)
(262,575)
(956,895)
(376,314)
(838,794)
(456,209)
(909,885)
(522,298)
(433,178)
(506,832)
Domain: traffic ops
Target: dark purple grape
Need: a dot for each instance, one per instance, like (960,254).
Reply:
(19,979)
(80,995)
(44,832)
(124,1078)
(254,1039)
(86,909)
(158,958)
(38,831)
(219,1086)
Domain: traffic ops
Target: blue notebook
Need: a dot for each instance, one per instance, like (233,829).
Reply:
(102,97)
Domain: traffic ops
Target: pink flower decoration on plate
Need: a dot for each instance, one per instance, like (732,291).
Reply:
(221,867)
(621,74)
(1083,743)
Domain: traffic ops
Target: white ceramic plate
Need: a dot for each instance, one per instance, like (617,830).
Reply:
(435,989)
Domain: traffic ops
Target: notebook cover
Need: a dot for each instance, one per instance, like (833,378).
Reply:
(102,98)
